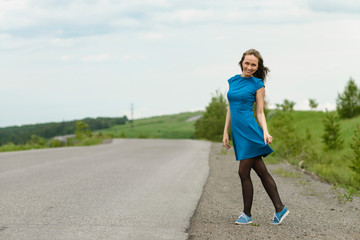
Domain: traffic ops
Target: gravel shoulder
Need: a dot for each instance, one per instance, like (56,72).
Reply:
(315,209)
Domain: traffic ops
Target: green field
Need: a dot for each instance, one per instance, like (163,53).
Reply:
(328,164)
(168,126)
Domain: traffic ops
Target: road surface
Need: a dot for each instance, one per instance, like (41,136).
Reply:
(130,189)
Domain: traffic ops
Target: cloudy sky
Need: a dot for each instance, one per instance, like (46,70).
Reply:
(70,59)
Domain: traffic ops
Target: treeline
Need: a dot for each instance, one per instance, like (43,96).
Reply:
(23,134)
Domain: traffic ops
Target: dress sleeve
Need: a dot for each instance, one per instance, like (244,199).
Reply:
(259,84)
(230,80)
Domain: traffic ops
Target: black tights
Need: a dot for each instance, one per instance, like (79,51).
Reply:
(268,182)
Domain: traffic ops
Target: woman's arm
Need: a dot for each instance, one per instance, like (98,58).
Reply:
(226,129)
(260,95)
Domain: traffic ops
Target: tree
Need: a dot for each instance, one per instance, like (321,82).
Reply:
(82,130)
(331,136)
(36,140)
(313,104)
(286,106)
(211,125)
(355,162)
(348,103)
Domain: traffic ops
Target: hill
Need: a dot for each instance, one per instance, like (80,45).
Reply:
(22,134)
(328,164)
(177,126)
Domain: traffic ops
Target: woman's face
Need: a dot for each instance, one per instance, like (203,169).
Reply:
(249,65)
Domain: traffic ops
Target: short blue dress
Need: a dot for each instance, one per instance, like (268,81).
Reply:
(247,135)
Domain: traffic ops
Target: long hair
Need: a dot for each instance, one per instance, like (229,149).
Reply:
(262,70)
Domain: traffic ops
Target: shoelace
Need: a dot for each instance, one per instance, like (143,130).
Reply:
(275,217)
(243,215)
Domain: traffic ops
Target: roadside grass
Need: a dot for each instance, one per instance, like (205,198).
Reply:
(12,147)
(284,173)
(331,165)
(87,141)
(167,126)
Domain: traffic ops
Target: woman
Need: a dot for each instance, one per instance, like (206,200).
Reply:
(251,141)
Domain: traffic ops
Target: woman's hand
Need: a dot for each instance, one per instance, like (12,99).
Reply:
(226,140)
(267,138)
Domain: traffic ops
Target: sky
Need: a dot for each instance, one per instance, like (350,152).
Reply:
(62,60)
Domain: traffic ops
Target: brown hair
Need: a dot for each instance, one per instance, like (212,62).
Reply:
(262,70)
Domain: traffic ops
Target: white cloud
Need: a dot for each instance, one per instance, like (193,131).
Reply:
(96,58)
(346,6)
(129,57)
(65,58)
(191,15)
(153,36)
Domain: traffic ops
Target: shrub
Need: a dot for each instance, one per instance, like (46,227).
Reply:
(211,125)
(37,141)
(331,136)
(56,143)
(285,137)
(355,162)
(286,106)
(313,104)
(82,130)
(348,103)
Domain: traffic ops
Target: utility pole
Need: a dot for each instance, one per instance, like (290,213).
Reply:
(132,115)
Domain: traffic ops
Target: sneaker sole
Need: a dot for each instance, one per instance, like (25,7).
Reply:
(283,217)
(238,223)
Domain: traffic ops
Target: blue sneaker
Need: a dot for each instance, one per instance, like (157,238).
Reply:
(279,216)
(243,219)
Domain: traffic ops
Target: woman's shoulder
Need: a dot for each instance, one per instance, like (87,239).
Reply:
(257,80)
(237,76)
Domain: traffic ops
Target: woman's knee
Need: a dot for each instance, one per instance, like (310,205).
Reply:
(245,168)
(263,173)
(244,174)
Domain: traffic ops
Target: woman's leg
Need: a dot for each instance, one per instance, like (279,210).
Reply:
(268,183)
(247,187)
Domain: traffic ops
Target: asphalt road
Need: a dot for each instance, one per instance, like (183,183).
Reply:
(129,189)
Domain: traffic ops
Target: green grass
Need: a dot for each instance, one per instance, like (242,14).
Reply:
(167,126)
(12,147)
(331,165)
(87,141)
(288,174)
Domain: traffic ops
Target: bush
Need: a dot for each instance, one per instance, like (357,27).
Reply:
(37,141)
(313,104)
(288,144)
(56,143)
(211,125)
(82,130)
(348,103)
(331,136)
(286,140)
(355,162)
(286,106)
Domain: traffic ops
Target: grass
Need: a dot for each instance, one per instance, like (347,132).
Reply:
(329,164)
(87,141)
(289,174)
(167,126)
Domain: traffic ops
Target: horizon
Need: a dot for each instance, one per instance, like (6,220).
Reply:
(67,60)
(26,124)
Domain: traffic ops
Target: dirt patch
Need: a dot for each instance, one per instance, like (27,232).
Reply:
(315,209)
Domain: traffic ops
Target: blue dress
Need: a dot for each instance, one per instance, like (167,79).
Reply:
(247,135)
